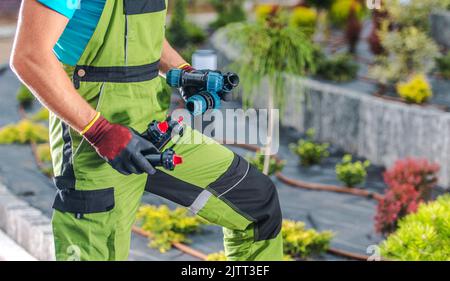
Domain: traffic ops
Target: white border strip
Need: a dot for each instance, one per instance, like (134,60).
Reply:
(10,251)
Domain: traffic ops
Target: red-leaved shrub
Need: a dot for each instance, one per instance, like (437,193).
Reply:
(353,29)
(374,39)
(409,183)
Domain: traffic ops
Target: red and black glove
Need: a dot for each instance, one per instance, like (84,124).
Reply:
(121,147)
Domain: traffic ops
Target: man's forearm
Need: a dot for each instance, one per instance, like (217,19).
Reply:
(38,68)
(48,81)
(170,58)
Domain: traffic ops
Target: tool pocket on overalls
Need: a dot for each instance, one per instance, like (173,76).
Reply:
(81,202)
(144,30)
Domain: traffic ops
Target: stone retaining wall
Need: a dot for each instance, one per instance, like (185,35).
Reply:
(26,225)
(440,27)
(379,130)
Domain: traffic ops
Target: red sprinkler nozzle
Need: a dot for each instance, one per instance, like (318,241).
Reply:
(177,160)
(163,127)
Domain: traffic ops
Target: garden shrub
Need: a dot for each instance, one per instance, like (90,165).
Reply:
(41,115)
(167,226)
(264,11)
(24,96)
(409,183)
(414,12)
(261,45)
(228,11)
(416,90)
(264,43)
(405,41)
(340,11)
(23,132)
(443,64)
(422,236)
(353,30)
(298,242)
(301,242)
(352,173)
(415,171)
(305,19)
(182,33)
(374,40)
(219,256)
(309,151)
(339,68)
(408,51)
(257,160)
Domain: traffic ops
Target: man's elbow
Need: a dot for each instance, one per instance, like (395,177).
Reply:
(18,61)
(24,60)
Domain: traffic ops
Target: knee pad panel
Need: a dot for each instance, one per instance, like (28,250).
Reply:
(252,194)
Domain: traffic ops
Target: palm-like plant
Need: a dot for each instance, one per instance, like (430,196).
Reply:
(268,50)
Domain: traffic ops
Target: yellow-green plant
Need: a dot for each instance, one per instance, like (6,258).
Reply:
(422,236)
(263,11)
(288,258)
(310,152)
(408,51)
(301,242)
(167,226)
(416,90)
(41,115)
(351,173)
(304,18)
(219,256)
(257,160)
(23,132)
(298,242)
(43,152)
(413,12)
(340,11)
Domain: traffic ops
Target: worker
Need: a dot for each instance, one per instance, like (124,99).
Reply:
(94,64)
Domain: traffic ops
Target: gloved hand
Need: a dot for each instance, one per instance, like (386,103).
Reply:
(121,147)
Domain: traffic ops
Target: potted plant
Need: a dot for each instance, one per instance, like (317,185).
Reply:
(262,44)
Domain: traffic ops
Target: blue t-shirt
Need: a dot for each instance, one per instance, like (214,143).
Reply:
(83,18)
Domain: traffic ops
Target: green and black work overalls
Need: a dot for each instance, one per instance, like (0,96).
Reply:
(95,206)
